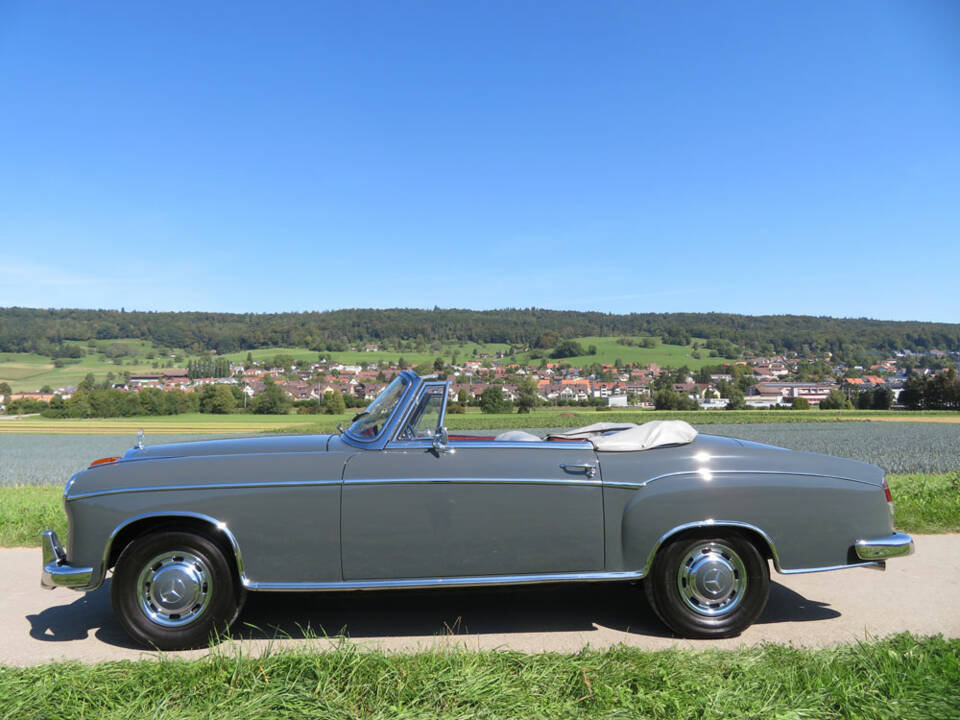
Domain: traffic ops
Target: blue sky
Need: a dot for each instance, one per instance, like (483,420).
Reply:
(617,156)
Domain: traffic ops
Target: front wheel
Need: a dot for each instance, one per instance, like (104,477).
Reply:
(708,586)
(174,590)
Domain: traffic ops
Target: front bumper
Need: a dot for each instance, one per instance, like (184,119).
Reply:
(56,572)
(883,548)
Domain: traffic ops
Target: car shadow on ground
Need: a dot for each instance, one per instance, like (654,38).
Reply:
(449,611)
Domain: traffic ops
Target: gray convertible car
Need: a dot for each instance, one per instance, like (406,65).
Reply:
(394,501)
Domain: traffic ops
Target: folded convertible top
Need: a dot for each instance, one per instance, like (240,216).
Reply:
(623,437)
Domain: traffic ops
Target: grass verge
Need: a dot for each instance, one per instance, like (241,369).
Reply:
(924,504)
(898,677)
(28,510)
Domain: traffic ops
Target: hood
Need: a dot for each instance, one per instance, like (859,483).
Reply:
(233,446)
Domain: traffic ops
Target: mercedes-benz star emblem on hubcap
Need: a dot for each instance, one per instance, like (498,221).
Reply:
(711,580)
(173,591)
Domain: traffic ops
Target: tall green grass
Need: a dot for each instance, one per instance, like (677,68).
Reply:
(899,677)
(28,510)
(924,504)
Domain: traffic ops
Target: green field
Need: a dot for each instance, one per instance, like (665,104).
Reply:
(27,371)
(901,677)
(554,417)
(465,351)
(609,351)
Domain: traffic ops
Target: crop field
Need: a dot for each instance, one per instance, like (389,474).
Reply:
(896,447)
(42,459)
(473,419)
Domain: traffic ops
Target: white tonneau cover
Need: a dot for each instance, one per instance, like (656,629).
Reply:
(623,437)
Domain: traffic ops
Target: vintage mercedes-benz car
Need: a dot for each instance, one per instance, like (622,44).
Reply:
(394,501)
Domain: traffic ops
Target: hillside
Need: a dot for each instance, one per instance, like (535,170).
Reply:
(44,331)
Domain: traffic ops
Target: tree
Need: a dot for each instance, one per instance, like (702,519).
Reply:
(272,401)
(736,400)
(492,400)
(913,391)
(218,399)
(835,400)
(463,397)
(526,394)
(88,383)
(333,403)
(5,391)
(882,397)
(438,365)
(800,403)
(568,348)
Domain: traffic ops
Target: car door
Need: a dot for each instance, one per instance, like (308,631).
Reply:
(470,508)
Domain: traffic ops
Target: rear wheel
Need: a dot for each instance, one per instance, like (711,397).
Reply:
(173,590)
(708,585)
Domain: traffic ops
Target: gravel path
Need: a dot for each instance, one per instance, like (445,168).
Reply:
(819,609)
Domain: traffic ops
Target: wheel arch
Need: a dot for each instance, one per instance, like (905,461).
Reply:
(760,539)
(140,525)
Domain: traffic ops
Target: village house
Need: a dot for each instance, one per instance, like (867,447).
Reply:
(782,392)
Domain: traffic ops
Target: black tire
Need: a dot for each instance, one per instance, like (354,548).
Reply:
(689,570)
(190,574)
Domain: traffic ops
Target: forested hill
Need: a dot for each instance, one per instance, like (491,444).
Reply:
(33,330)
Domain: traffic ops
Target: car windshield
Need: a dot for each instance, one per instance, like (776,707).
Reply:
(369,423)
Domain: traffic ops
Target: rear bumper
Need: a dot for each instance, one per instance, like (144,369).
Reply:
(56,572)
(884,548)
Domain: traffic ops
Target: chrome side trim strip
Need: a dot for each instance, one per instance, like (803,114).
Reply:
(542,445)
(644,483)
(204,486)
(412,583)
(489,444)
(874,565)
(473,481)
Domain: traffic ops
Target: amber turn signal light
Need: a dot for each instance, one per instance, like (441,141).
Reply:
(104,461)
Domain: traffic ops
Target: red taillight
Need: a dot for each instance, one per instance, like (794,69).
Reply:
(886,491)
(104,461)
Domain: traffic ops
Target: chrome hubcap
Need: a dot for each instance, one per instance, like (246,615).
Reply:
(174,588)
(712,579)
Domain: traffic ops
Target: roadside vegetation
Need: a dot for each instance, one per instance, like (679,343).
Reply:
(924,504)
(900,677)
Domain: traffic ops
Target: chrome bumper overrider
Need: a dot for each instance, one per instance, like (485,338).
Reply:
(883,548)
(56,572)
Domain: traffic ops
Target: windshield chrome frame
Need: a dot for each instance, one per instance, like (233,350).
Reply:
(428,381)
(414,382)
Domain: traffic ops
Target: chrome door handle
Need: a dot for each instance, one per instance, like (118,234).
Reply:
(589,469)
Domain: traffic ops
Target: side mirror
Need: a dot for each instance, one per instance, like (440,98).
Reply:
(441,440)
